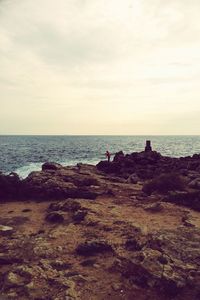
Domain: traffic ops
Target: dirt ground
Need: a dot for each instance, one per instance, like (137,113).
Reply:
(110,218)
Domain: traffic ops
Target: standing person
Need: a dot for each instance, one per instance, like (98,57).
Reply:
(108,155)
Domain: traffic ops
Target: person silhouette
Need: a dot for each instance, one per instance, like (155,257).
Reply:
(108,155)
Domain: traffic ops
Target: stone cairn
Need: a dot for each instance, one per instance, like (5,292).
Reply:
(148,146)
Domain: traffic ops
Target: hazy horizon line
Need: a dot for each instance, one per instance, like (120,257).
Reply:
(99,134)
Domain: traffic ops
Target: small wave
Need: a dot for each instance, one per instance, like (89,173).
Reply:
(24,171)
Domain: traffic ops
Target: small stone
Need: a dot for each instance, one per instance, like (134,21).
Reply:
(133,179)
(26,210)
(5,230)
(13,280)
(155,207)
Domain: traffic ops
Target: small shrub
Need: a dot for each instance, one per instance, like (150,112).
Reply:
(164,183)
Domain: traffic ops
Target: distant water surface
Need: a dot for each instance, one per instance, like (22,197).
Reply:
(23,154)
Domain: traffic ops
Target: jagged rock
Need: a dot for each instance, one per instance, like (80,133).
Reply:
(108,167)
(118,156)
(60,184)
(51,166)
(44,185)
(93,247)
(133,178)
(147,165)
(55,217)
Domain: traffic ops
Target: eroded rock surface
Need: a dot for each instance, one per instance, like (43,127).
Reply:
(100,236)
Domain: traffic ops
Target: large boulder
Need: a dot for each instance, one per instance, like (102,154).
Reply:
(185,198)
(60,184)
(51,166)
(10,186)
(108,167)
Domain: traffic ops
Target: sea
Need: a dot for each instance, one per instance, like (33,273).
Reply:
(24,154)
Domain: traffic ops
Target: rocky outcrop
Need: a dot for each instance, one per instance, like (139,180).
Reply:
(57,182)
(149,164)
(83,181)
(51,166)
(127,242)
(53,182)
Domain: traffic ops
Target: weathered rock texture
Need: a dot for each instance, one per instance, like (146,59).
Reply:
(147,165)
(98,235)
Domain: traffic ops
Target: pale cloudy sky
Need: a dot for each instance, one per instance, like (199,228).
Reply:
(99,67)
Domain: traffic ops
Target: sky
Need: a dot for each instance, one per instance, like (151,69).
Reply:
(121,67)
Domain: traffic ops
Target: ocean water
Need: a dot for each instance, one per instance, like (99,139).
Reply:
(24,154)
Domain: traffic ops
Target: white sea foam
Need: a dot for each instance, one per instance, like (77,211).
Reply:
(75,162)
(24,171)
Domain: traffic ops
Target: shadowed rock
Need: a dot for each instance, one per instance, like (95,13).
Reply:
(55,217)
(79,215)
(93,247)
(51,166)
(10,186)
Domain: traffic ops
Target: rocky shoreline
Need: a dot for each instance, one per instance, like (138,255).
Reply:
(126,229)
